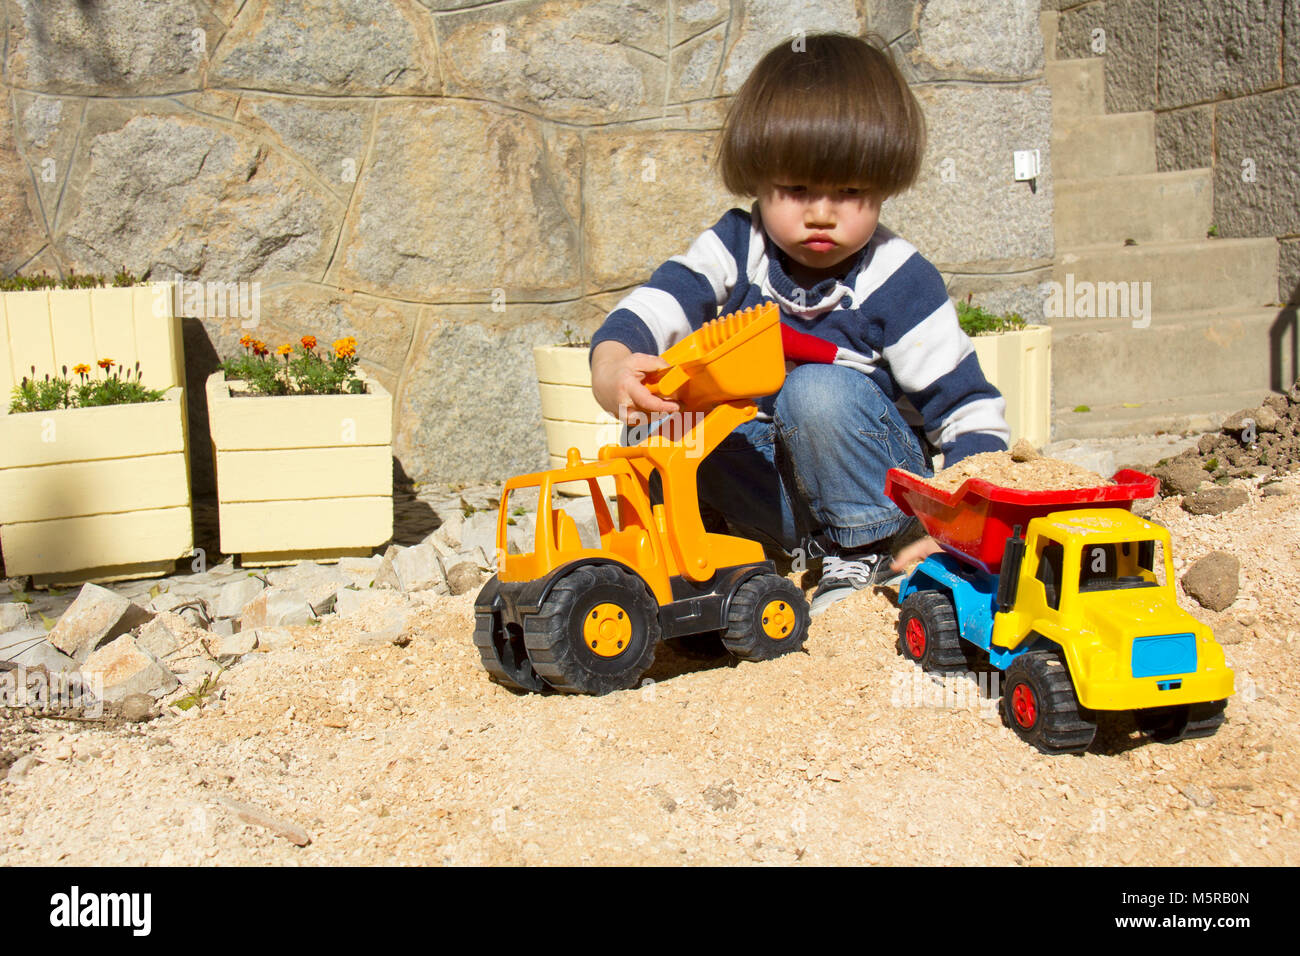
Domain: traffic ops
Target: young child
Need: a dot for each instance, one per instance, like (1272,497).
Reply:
(877,365)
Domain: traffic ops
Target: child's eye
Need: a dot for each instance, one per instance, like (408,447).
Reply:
(852,191)
(792,189)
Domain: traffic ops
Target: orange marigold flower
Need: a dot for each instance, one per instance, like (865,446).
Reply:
(82,369)
(309,342)
(106,363)
(284,350)
(246,341)
(259,347)
(345,348)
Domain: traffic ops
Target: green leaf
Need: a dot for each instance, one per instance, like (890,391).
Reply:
(1082,408)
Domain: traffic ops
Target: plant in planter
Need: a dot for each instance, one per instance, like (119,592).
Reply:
(303,450)
(94,474)
(1017,358)
(570,415)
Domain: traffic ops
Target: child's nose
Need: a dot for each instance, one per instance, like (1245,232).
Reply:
(820,211)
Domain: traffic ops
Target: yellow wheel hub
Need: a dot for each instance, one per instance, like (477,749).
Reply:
(607,630)
(779,619)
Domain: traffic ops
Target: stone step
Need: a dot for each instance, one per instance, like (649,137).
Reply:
(1114,144)
(1189,276)
(1106,363)
(1078,88)
(1191,414)
(1151,207)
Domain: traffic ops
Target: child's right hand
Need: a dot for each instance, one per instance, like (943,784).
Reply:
(618,382)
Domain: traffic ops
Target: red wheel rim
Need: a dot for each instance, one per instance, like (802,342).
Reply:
(1024,706)
(916,638)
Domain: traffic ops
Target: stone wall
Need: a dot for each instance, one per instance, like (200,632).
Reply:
(454,181)
(1223,77)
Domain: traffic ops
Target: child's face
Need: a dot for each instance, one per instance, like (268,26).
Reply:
(818,227)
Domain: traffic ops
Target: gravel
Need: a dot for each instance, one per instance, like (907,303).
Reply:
(325,749)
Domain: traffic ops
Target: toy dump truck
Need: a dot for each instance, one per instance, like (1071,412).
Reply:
(1072,596)
(585,616)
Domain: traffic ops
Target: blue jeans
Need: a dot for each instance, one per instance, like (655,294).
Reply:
(817,470)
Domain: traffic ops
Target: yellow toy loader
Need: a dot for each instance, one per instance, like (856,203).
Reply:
(585,617)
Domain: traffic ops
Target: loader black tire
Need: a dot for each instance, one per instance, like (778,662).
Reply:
(928,632)
(504,655)
(767,617)
(1040,705)
(1169,725)
(557,636)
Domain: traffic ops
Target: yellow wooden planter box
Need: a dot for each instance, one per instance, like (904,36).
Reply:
(570,415)
(301,476)
(94,493)
(1020,365)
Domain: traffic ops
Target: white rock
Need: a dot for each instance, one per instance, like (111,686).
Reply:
(276,607)
(13,614)
(386,576)
(236,595)
(453,521)
(418,568)
(229,648)
(97,615)
(479,531)
(360,572)
(29,647)
(125,668)
(158,639)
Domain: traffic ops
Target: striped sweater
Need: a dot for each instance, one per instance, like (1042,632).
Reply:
(889,317)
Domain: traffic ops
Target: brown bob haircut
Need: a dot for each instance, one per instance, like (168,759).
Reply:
(826,109)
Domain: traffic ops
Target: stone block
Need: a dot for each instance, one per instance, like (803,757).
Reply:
(329,138)
(694,67)
(96,616)
(419,568)
(765,23)
(574,60)
(360,572)
(977,40)
(456,352)
(892,18)
(1214,50)
(496,169)
(28,647)
(20,234)
(158,638)
(125,668)
(1185,139)
(235,595)
(333,47)
(229,648)
(964,207)
(1257,168)
(147,185)
(479,531)
(647,195)
(1291,50)
(276,607)
(112,46)
(12,614)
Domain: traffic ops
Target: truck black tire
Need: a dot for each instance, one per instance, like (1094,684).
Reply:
(596,632)
(1169,725)
(504,655)
(767,617)
(1040,705)
(928,632)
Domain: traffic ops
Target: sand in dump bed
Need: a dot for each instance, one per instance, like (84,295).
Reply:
(1036,474)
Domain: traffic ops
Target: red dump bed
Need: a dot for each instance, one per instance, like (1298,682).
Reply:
(974,522)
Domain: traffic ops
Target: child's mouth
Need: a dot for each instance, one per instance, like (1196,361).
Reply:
(818,244)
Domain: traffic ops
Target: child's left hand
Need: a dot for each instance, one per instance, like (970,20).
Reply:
(915,552)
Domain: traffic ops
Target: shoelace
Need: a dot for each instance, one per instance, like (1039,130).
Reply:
(859,572)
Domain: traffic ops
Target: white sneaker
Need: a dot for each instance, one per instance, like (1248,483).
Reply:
(842,576)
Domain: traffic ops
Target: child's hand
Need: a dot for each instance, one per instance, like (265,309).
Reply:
(915,552)
(617,381)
